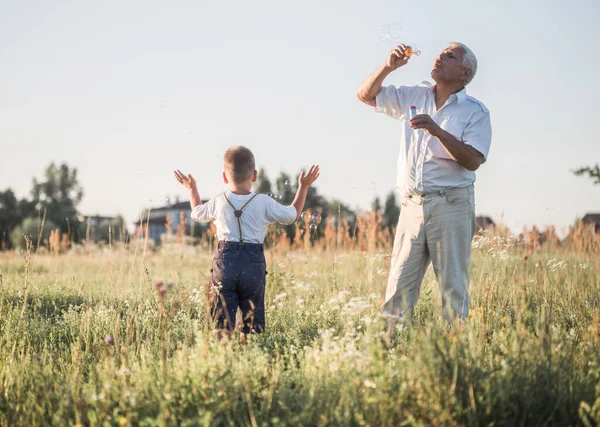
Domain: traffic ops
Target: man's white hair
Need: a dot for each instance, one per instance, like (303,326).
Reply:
(469,59)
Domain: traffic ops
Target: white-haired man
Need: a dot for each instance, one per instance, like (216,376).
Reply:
(441,148)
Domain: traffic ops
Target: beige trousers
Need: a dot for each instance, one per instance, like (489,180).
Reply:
(434,228)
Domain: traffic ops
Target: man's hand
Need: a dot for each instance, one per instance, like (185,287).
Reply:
(465,155)
(425,122)
(306,179)
(397,57)
(187,181)
(370,87)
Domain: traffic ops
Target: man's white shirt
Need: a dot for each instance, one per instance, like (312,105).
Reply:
(424,165)
(256,217)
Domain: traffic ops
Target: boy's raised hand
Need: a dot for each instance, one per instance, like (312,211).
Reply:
(187,181)
(306,179)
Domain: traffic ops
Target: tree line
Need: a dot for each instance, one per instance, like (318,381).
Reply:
(54,200)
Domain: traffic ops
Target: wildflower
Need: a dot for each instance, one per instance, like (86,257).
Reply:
(370,384)
(158,284)
(122,421)
(216,288)
(108,340)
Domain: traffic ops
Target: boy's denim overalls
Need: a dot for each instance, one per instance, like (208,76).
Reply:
(238,280)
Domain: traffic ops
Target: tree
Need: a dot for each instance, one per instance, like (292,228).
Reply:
(58,195)
(286,192)
(12,213)
(31,227)
(262,185)
(391,212)
(9,215)
(376,205)
(593,172)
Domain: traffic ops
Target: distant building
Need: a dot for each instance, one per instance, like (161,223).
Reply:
(171,214)
(592,219)
(94,220)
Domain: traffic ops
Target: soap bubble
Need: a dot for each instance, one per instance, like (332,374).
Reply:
(164,199)
(270,194)
(163,104)
(390,33)
(313,226)
(278,197)
(355,185)
(316,217)
(305,216)
(142,173)
(289,184)
(372,186)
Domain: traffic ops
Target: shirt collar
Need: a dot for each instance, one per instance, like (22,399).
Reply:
(459,96)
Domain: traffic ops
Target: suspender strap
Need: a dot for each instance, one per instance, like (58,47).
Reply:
(238,214)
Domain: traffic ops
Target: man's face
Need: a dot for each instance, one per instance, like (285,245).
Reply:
(448,66)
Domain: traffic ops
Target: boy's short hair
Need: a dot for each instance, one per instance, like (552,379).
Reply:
(239,163)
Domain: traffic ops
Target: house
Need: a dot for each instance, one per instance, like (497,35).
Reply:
(592,219)
(168,214)
(93,221)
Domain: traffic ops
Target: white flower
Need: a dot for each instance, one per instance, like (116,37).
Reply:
(370,384)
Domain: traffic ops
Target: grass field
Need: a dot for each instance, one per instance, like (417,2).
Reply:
(87,340)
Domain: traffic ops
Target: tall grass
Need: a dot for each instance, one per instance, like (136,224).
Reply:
(87,339)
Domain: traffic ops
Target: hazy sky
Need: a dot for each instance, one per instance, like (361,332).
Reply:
(129,88)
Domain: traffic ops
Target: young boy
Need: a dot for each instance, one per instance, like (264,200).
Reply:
(239,267)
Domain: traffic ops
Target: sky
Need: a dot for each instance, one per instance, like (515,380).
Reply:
(128,91)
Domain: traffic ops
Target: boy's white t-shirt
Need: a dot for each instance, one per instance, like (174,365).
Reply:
(256,217)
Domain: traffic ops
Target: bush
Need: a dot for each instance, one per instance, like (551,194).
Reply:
(30,227)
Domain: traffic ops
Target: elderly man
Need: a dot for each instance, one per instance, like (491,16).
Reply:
(441,147)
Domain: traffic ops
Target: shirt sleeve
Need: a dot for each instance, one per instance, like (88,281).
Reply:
(204,212)
(394,101)
(279,213)
(478,133)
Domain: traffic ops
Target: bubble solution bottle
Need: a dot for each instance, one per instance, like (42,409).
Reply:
(412,50)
